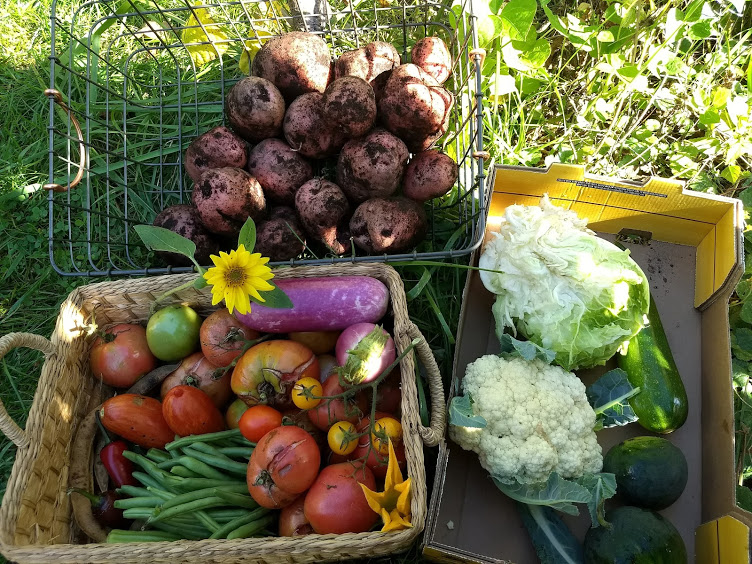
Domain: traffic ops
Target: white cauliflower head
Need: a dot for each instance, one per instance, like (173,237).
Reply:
(538,420)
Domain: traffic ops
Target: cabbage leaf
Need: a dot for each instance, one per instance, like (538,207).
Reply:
(561,286)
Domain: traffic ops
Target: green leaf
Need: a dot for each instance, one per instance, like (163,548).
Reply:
(495,5)
(274,299)
(601,487)
(461,413)
(746,315)
(743,288)
(555,21)
(247,236)
(609,396)
(746,197)
(537,54)
(161,239)
(741,342)
(700,30)
(693,11)
(744,497)
(517,18)
(710,117)
(732,173)
(526,349)
(489,28)
(200,282)
(556,492)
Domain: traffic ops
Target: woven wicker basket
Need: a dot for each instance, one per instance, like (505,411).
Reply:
(36,522)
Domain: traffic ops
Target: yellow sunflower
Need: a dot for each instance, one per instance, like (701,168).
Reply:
(236,276)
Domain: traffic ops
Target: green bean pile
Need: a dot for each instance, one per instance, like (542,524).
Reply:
(194,489)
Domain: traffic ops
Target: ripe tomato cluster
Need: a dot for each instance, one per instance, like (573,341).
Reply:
(315,440)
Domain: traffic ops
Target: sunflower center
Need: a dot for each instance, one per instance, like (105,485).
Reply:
(236,276)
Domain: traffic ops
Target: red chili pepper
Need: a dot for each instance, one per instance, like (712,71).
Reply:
(119,468)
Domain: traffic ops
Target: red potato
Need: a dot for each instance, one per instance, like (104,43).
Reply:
(296,62)
(280,237)
(217,148)
(226,197)
(349,103)
(388,225)
(367,62)
(185,220)
(429,174)
(324,212)
(255,109)
(433,56)
(306,129)
(414,107)
(371,166)
(321,304)
(279,169)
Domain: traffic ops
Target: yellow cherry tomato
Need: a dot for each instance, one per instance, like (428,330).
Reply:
(384,429)
(303,390)
(342,437)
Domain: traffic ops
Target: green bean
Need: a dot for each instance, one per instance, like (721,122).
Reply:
(195,465)
(189,507)
(183,472)
(156,455)
(138,502)
(192,532)
(244,519)
(220,461)
(160,493)
(225,514)
(133,491)
(191,484)
(242,452)
(206,492)
(138,513)
(149,466)
(174,453)
(119,535)
(236,499)
(146,480)
(251,528)
(207,437)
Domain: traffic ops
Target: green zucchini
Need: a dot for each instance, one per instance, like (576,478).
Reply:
(661,405)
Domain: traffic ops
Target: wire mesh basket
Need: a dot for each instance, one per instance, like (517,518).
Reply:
(133,82)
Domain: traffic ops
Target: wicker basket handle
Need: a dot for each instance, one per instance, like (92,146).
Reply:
(11,341)
(433,434)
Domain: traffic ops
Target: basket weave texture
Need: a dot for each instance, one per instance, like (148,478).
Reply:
(36,523)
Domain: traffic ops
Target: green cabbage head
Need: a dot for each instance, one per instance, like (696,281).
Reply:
(563,287)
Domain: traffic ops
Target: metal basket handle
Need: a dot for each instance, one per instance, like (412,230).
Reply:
(11,341)
(433,434)
(81,146)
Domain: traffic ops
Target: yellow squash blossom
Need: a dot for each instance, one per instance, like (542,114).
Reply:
(236,276)
(393,504)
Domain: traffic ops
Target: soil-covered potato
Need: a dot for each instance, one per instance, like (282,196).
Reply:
(414,107)
(429,174)
(307,130)
(433,56)
(371,166)
(296,62)
(388,225)
(185,220)
(324,212)
(255,109)
(219,147)
(279,169)
(349,103)
(379,84)
(226,197)
(280,237)
(368,62)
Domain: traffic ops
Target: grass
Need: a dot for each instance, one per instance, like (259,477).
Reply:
(627,88)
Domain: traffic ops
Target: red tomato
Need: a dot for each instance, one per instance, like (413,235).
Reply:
(257,421)
(375,460)
(223,337)
(189,411)
(137,419)
(266,372)
(121,356)
(319,342)
(196,370)
(292,521)
(336,503)
(283,465)
(389,392)
(234,413)
(328,412)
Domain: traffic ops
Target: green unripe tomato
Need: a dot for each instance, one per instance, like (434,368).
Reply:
(172,333)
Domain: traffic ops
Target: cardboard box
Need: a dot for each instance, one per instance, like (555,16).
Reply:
(693,258)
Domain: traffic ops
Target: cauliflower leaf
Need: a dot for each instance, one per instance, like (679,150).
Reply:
(556,492)
(526,349)
(609,395)
(461,413)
